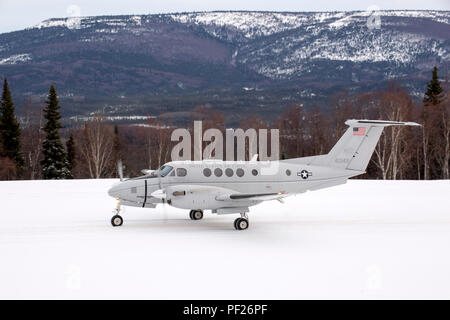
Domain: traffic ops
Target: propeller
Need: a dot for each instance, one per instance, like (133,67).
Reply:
(120,169)
(163,196)
(160,180)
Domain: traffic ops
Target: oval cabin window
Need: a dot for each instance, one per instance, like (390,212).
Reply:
(218,172)
(207,172)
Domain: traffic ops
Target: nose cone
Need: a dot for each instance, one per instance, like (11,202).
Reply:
(114,191)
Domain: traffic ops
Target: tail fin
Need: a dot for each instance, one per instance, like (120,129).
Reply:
(355,148)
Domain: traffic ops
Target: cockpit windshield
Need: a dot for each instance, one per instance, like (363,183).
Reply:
(163,171)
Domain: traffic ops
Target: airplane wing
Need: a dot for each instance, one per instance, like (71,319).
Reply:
(219,194)
(253,196)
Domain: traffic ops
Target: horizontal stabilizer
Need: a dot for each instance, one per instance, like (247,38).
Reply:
(381,123)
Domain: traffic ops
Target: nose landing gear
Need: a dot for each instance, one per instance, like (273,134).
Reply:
(117,220)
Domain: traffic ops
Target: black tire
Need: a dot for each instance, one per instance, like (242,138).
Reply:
(191,214)
(196,214)
(236,223)
(241,224)
(116,221)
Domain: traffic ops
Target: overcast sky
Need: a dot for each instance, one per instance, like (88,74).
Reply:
(19,14)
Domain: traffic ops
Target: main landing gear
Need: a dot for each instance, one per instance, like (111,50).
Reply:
(196,214)
(117,220)
(242,222)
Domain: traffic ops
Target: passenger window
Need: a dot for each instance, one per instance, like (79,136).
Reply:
(240,172)
(229,172)
(207,172)
(255,172)
(181,172)
(218,172)
(172,174)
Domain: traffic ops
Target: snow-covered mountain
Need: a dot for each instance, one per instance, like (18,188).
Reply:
(148,54)
(287,45)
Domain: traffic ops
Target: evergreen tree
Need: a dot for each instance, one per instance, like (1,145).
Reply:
(433,95)
(10,130)
(54,164)
(71,155)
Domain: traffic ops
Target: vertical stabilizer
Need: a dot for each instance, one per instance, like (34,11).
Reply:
(355,148)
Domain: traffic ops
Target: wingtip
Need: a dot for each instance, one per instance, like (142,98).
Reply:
(413,124)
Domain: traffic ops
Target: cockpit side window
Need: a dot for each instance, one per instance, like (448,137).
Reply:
(181,172)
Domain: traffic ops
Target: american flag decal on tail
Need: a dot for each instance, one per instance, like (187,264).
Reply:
(359,131)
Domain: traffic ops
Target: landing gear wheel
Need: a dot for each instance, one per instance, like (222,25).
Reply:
(241,224)
(196,214)
(116,221)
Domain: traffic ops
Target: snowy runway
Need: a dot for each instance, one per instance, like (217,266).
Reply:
(365,239)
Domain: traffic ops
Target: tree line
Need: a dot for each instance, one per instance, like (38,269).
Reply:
(38,147)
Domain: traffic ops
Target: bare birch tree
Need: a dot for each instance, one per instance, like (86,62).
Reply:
(390,154)
(32,138)
(157,142)
(441,143)
(97,148)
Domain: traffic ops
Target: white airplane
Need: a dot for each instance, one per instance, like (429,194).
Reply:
(231,187)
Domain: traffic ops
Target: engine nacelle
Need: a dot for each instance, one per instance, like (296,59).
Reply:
(195,196)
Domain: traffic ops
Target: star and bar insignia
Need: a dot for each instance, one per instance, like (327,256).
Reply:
(304,174)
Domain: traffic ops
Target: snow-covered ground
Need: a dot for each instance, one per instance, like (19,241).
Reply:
(365,239)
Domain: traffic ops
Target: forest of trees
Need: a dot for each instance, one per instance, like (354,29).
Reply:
(37,147)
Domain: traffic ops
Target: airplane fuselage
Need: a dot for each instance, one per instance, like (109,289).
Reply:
(217,178)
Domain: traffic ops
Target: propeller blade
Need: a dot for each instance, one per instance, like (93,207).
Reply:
(120,169)
(162,194)
(159,179)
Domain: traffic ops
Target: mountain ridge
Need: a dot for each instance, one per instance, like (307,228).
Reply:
(314,53)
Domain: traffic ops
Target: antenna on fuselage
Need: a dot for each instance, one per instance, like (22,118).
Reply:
(254,158)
